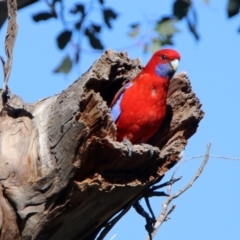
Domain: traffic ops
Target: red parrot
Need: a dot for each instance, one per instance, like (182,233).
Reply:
(139,107)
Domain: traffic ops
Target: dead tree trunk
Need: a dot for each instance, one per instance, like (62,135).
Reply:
(63,175)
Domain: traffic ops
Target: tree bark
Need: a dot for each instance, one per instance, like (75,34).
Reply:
(63,174)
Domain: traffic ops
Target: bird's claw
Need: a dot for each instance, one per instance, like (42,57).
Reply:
(129,146)
(149,147)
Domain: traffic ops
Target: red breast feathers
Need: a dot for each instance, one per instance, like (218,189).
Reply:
(140,106)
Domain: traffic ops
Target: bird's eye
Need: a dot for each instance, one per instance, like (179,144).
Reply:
(164,57)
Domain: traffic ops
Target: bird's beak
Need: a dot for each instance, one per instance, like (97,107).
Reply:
(174,64)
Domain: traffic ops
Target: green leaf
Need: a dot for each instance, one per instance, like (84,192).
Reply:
(43,16)
(108,16)
(95,42)
(93,39)
(55,1)
(145,48)
(96,28)
(193,29)
(156,45)
(233,7)
(87,32)
(165,27)
(78,24)
(63,38)
(77,56)
(166,41)
(180,8)
(65,66)
(78,8)
(135,30)
(134,25)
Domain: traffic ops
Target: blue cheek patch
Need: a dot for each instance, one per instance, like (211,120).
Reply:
(164,70)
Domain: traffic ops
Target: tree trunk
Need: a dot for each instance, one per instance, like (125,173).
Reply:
(63,174)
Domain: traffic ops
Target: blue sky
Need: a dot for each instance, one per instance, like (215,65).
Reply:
(210,209)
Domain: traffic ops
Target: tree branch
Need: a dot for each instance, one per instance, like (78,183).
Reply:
(9,45)
(165,211)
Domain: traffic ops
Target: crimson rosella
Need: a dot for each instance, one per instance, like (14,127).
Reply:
(139,107)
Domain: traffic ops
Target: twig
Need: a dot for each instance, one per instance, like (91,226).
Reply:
(111,223)
(172,208)
(165,211)
(149,220)
(150,208)
(9,45)
(170,182)
(149,192)
(214,156)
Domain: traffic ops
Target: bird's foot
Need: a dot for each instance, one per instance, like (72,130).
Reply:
(129,146)
(149,147)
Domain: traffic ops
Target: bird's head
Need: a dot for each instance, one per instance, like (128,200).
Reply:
(164,63)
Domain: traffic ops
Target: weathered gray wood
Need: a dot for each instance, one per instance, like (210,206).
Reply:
(63,175)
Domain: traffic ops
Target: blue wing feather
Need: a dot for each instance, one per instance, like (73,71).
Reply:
(116,109)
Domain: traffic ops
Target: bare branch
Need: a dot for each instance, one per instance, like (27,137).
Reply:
(172,208)
(165,211)
(149,208)
(111,223)
(213,156)
(9,45)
